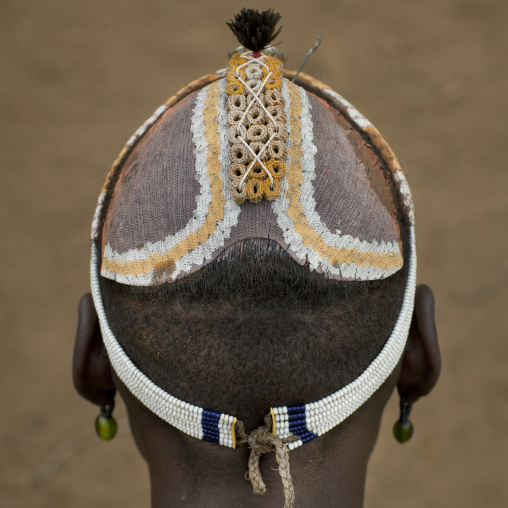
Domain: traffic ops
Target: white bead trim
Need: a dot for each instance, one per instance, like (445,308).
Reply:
(190,419)
(316,418)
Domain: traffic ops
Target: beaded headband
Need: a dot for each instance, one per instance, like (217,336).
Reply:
(247,153)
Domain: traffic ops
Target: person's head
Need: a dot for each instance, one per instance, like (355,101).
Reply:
(295,306)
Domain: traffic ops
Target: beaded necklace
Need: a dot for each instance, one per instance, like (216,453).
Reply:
(307,421)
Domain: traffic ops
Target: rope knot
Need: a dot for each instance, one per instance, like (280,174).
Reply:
(261,441)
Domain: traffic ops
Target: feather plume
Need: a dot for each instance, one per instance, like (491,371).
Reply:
(255,30)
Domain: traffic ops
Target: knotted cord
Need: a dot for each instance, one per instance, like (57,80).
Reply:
(260,441)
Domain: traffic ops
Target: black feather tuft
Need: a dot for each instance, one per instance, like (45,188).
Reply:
(255,30)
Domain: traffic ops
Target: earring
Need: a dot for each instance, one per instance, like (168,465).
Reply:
(105,424)
(403,428)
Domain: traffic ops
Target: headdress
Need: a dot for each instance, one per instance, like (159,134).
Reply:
(248,153)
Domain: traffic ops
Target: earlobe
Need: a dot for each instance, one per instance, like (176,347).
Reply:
(91,369)
(421,362)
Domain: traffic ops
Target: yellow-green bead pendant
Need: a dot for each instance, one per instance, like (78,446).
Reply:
(403,430)
(106,427)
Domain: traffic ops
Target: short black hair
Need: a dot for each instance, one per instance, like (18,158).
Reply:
(254,329)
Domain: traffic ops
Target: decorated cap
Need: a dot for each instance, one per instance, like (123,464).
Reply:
(250,152)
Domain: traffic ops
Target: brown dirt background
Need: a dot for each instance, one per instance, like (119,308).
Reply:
(79,77)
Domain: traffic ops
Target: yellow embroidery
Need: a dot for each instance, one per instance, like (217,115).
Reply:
(256,128)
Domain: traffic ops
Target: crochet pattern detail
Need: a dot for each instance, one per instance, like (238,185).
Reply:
(257,127)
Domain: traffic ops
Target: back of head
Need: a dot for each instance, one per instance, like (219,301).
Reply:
(256,254)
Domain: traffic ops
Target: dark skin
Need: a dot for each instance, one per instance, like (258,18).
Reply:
(328,471)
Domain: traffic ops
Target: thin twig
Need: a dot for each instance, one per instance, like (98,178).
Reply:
(309,54)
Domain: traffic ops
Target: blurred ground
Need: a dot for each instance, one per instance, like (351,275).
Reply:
(79,77)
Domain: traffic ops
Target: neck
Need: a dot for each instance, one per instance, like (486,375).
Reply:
(327,471)
(324,471)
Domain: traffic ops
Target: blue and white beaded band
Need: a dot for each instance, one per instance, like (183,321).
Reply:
(192,420)
(312,420)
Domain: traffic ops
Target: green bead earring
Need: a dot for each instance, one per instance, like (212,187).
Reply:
(403,428)
(105,425)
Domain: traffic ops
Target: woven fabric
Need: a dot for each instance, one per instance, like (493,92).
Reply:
(257,132)
(171,210)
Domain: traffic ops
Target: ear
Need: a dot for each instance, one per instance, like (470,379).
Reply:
(91,370)
(421,362)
